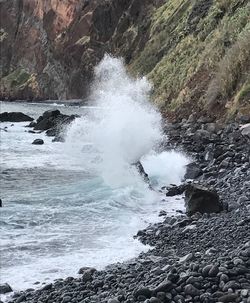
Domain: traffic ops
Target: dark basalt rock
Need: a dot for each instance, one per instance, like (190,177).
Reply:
(200,199)
(38,142)
(54,123)
(14,117)
(175,190)
(5,288)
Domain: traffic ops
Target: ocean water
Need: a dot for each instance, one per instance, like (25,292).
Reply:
(79,203)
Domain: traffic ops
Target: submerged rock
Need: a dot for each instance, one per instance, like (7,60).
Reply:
(14,117)
(201,199)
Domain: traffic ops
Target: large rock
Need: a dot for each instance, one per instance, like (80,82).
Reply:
(52,121)
(201,199)
(175,190)
(5,288)
(14,117)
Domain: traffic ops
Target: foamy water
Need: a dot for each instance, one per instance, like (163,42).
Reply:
(79,203)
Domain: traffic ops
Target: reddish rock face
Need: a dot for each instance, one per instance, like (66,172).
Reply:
(49,47)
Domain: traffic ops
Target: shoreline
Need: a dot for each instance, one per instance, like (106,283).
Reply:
(202,258)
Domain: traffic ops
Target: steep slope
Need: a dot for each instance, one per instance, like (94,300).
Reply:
(198,56)
(196,53)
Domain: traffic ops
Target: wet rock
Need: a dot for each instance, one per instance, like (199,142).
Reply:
(175,190)
(47,287)
(200,199)
(5,288)
(86,273)
(53,121)
(32,124)
(38,142)
(14,117)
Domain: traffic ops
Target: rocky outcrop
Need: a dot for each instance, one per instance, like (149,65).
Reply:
(5,288)
(14,117)
(201,199)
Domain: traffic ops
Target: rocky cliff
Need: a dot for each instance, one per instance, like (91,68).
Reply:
(196,53)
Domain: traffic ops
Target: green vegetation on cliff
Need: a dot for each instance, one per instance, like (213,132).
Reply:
(198,54)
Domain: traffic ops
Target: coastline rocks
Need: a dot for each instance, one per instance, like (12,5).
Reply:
(52,120)
(5,288)
(54,123)
(200,199)
(38,142)
(14,117)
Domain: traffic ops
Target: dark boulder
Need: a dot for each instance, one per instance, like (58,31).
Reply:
(52,121)
(175,190)
(5,288)
(14,117)
(38,142)
(201,199)
(44,124)
(51,113)
(193,171)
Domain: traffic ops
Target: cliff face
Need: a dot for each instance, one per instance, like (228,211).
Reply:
(196,53)
(49,47)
